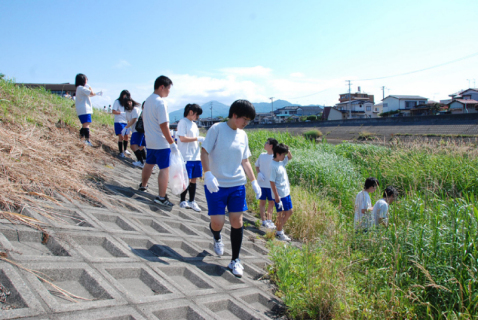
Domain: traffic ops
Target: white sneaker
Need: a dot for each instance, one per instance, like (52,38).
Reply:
(271,224)
(265,224)
(127,152)
(219,247)
(236,267)
(121,155)
(184,204)
(138,164)
(193,205)
(282,237)
(88,143)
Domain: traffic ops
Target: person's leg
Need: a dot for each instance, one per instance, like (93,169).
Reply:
(163,179)
(125,142)
(146,174)
(86,130)
(120,143)
(270,210)
(192,189)
(262,209)
(216,225)
(237,232)
(282,218)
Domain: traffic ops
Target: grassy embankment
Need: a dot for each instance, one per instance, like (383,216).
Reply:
(423,266)
(40,153)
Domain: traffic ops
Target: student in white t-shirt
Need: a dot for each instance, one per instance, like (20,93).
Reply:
(363,204)
(121,122)
(132,113)
(280,187)
(158,139)
(84,109)
(263,169)
(380,209)
(225,158)
(188,144)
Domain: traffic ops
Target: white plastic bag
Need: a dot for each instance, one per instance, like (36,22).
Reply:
(178,175)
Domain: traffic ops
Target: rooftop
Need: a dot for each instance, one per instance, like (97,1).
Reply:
(403,97)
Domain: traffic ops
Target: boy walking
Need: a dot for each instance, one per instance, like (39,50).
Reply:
(380,209)
(280,188)
(188,144)
(363,204)
(158,139)
(224,157)
(263,169)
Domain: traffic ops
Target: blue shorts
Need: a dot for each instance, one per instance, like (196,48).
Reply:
(234,198)
(138,139)
(266,194)
(159,157)
(286,202)
(119,127)
(85,118)
(194,169)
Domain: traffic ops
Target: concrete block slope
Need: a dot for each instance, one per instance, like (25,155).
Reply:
(132,260)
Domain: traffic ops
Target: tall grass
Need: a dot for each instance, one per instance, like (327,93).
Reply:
(423,266)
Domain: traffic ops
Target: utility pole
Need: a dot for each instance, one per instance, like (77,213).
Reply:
(383,92)
(272,108)
(211,114)
(350,99)
(469,83)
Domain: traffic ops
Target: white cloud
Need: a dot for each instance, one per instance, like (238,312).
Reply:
(297,75)
(258,71)
(122,64)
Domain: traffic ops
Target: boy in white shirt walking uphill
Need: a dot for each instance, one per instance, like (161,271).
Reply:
(263,169)
(363,204)
(380,209)
(280,187)
(188,145)
(158,138)
(224,157)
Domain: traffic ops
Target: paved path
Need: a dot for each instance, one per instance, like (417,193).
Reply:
(137,261)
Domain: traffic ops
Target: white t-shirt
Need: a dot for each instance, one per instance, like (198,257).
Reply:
(227,148)
(380,210)
(133,114)
(155,112)
(189,150)
(82,101)
(278,175)
(264,164)
(362,201)
(119,118)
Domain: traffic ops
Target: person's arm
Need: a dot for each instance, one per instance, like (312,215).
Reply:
(289,155)
(165,130)
(258,170)
(131,122)
(205,160)
(274,190)
(248,169)
(187,139)
(116,112)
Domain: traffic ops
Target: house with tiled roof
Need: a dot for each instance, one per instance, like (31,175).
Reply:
(403,103)
(460,106)
(356,109)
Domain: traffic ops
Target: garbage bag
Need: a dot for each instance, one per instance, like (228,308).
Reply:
(178,175)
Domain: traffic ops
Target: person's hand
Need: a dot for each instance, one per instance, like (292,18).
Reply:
(257,189)
(280,206)
(201,139)
(211,182)
(261,176)
(99,93)
(124,131)
(174,148)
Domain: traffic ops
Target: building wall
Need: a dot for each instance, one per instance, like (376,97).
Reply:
(390,104)
(458,108)
(334,115)
(472,93)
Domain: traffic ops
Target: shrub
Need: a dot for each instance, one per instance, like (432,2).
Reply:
(313,134)
(312,118)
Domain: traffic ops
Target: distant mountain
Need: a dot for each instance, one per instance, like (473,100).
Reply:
(222,110)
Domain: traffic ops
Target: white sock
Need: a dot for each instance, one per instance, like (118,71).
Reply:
(280,232)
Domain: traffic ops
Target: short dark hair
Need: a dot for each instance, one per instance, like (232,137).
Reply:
(123,97)
(162,81)
(390,191)
(134,104)
(80,80)
(195,108)
(371,182)
(242,108)
(273,142)
(280,149)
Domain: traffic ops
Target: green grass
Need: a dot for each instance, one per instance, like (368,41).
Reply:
(423,266)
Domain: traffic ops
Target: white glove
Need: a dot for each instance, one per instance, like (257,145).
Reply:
(174,148)
(211,182)
(124,131)
(99,93)
(257,189)
(201,139)
(280,205)
(261,176)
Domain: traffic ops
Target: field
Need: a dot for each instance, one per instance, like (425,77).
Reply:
(423,266)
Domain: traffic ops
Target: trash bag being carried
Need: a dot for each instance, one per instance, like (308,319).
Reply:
(178,175)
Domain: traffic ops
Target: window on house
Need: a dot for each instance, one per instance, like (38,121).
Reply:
(369,108)
(376,109)
(385,105)
(410,104)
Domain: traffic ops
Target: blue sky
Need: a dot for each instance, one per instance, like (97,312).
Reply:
(224,50)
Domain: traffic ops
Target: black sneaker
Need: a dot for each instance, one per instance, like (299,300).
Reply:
(141,188)
(164,202)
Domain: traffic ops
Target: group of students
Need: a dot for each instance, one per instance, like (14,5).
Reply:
(367,217)
(223,156)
